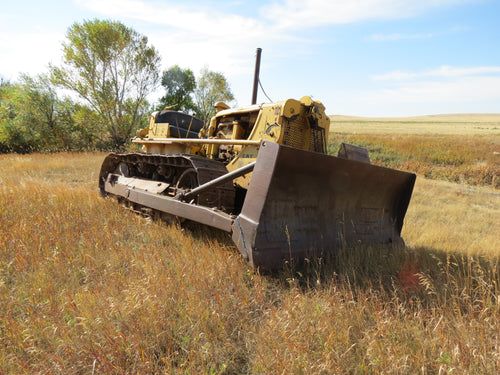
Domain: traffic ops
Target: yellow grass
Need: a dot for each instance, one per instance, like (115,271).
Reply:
(459,124)
(89,287)
(459,148)
(454,218)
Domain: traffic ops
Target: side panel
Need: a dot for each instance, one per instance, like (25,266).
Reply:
(300,202)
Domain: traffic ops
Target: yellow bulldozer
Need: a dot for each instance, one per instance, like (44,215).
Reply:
(262,174)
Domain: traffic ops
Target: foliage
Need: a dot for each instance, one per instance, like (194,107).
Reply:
(113,69)
(179,86)
(33,118)
(12,136)
(211,88)
(143,297)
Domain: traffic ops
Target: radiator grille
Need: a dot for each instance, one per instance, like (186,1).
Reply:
(317,140)
(295,132)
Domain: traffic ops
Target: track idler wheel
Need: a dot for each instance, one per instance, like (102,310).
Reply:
(187,181)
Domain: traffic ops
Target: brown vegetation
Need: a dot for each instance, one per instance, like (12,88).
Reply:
(472,160)
(89,287)
(457,148)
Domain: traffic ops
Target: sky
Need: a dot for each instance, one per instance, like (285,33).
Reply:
(377,58)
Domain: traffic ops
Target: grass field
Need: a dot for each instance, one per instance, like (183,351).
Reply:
(460,124)
(457,148)
(89,287)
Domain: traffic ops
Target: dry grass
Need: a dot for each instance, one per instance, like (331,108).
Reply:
(459,124)
(457,148)
(472,160)
(89,287)
(453,218)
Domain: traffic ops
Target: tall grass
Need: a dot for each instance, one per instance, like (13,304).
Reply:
(89,287)
(472,160)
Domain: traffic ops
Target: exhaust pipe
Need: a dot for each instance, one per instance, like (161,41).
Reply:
(256,76)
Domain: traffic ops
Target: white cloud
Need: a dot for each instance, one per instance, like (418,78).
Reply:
(276,15)
(36,52)
(221,40)
(192,38)
(464,90)
(398,36)
(444,71)
(405,36)
(449,89)
(307,13)
(210,23)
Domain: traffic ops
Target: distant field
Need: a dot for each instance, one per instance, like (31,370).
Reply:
(458,124)
(458,148)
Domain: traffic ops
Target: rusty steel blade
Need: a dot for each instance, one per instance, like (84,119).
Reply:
(300,203)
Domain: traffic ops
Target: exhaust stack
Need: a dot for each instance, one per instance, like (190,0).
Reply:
(256,76)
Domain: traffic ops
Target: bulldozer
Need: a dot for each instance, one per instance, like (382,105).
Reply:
(262,174)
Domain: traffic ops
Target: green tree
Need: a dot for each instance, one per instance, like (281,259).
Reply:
(33,118)
(211,88)
(90,127)
(14,136)
(113,69)
(179,87)
(4,85)
(45,114)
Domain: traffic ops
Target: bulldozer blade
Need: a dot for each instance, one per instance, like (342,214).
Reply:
(301,203)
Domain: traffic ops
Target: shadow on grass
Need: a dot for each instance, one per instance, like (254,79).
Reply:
(433,274)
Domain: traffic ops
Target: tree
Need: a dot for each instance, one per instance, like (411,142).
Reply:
(113,69)
(41,111)
(13,135)
(211,88)
(179,85)
(33,118)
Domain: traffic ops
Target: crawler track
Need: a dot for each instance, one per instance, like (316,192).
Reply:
(180,173)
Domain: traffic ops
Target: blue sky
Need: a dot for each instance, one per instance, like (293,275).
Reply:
(359,57)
